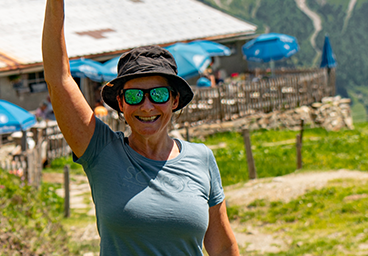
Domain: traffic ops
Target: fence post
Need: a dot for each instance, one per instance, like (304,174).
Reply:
(221,117)
(301,130)
(299,143)
(37,154)
(23,142)
(298,152)
(66,192)
(248,148)
(186,124)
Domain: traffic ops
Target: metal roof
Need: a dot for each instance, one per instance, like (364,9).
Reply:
(97,27)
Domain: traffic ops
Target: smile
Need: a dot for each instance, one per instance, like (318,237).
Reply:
(147,118)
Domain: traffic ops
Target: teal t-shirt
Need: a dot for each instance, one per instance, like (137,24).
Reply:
(148,207)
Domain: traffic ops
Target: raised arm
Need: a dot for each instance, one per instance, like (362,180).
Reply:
(73,114)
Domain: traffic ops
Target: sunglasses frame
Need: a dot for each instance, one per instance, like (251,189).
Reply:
(123,92)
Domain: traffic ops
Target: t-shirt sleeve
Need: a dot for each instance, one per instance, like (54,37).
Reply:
(102,136)
(216,193)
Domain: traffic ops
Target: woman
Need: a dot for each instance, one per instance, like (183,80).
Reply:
(153,195)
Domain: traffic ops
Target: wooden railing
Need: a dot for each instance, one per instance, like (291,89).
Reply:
(243,97)
(49,144)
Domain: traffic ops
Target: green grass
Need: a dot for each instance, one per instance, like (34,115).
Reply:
(274,152)
(30,219)
(57,165)
(321,222)
(358,109)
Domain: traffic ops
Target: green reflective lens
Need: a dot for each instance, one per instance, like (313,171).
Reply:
(160,95)
(133,96)
(157,95)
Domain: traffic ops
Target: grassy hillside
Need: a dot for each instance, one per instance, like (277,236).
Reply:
(266,15)
(347,39)
(347,35)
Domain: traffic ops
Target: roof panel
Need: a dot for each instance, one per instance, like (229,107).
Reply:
(102,26)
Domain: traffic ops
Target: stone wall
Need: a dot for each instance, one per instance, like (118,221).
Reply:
(332,113)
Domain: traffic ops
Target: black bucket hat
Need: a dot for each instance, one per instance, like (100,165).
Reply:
(146,61)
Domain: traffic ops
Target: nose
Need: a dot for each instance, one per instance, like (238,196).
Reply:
(147,105)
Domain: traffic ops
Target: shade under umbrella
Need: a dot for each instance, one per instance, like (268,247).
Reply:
(213,48)
(190,59)
(328,57)
(94,70)
(270,47)
(14,118)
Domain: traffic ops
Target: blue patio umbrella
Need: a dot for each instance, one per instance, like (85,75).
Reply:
(94,70)
(14,118)
(270,47)
(328,57)
(191,59)
(111,66)
(213,48)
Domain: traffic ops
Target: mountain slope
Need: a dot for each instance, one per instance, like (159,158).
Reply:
(344,21)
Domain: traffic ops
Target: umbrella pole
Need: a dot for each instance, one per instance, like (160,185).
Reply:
(272,64)
(24,141)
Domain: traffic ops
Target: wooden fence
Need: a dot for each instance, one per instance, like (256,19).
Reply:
(229,101)
(49,144)
(244,97)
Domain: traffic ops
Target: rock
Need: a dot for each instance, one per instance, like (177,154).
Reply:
(349,122)
(345,101)
(317,105)
(333,114)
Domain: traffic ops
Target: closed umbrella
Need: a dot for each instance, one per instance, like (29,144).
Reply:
(328,57)
(14,118)
(191,59)
(213,48)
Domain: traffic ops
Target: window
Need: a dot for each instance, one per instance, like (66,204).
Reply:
(29,83)
(36,82)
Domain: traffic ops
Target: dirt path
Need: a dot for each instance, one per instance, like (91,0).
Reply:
(282,188)
(219,4)
(80,203)
(286,187)
(348,14)
(317,23)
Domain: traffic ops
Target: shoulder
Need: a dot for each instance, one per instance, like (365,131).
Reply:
(102,137)
(197,150)
(199,147)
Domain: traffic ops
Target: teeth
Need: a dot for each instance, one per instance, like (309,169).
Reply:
(150,118)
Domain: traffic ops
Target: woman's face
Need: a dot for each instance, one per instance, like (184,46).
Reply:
(148,118)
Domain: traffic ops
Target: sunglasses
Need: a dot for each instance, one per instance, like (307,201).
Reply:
(158,95)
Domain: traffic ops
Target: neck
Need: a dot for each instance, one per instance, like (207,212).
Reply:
(160,149)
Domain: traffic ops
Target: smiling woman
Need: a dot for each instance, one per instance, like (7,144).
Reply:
(153,195)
